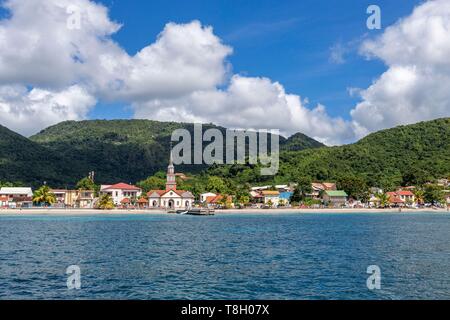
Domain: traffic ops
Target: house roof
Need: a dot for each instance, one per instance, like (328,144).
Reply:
(214,199)
(125,200)
(395,199)
(121,186)
(336,193)
(405,193)
(161,193)
(329,185)
(13,190)
(286,195)
(4,199)
(270,193)
(142,200)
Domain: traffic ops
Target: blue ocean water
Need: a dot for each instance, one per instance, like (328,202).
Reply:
(232,256)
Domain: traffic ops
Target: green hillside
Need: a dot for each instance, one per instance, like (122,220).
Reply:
(22,160)
(124,150)
(131,150)
(410,154)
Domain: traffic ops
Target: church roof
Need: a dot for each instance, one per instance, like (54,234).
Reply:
(181,193)
(121,186)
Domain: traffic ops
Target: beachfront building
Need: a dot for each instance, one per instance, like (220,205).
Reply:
(401,198)
(15,197)
(64,198)
(81,199)
(272,197)
(4,202)
(219,201)
(206,195)
(285,197)
(170,198)
(318,188)
(120,191)
(335,198)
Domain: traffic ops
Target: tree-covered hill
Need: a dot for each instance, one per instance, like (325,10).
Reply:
(22,160)
(131,150)
(125,150)
(411,154)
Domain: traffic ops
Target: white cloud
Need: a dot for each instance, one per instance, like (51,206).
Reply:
(247,102)
(28,111)
(416,85)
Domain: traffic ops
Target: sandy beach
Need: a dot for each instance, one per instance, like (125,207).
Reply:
(60,212)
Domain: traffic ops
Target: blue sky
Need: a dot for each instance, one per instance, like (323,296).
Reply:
(286,41)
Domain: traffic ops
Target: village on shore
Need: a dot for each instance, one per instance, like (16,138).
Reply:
(319,195)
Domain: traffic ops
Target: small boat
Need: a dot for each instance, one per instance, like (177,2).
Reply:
(182,211)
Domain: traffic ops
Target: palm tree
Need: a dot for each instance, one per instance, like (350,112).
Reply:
(44,196)
(419,195)
(105,202)
(384,199)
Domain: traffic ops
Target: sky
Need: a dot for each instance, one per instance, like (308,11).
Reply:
(297,66)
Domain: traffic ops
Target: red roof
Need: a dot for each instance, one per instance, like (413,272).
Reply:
(125,200)
(4,198)
(394,199)
(123,186)
(142,200)
(163,192)
(405,193)
(214,199)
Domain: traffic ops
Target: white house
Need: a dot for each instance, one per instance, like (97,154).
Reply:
(272,196)
(171,198)
(206,195)
(16,197)
(121,191)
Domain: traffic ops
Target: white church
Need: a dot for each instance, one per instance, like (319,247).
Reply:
(171,198)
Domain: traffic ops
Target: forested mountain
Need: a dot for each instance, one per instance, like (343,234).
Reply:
(22,160)
(411,154)
(131,150)
(123,150)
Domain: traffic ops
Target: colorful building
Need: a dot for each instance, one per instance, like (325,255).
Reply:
(336,198)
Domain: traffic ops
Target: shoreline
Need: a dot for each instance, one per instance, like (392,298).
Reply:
(68,212)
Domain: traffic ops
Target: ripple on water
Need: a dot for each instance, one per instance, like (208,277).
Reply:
(226,257)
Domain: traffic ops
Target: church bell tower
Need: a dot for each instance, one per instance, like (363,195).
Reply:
(171,183)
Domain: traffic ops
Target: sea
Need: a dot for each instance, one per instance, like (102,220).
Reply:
(292,256)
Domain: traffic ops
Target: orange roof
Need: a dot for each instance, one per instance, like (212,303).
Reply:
(394,199)
(142,200)
(4,198)
(405,193)
(214,199)
(122,186)
(270,193)
(125,200)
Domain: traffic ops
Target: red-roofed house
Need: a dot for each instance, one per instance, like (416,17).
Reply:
(120,191)
(171,198)
(406,195)
(401,197)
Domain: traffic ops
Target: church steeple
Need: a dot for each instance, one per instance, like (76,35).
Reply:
(171,183)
